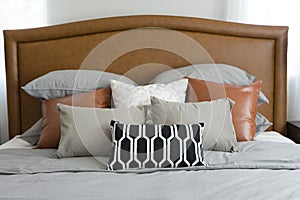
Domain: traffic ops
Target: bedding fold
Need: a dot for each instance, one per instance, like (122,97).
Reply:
(253,155)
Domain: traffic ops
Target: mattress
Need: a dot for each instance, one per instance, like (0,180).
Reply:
(272,136)
(259,169)
(269,136)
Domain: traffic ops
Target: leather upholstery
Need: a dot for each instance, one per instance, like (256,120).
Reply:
(244,109)
(30,53)
(50,134)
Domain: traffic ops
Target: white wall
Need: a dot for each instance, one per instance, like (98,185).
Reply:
(60,11)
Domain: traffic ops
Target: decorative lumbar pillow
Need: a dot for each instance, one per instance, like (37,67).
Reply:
(218,133)
(125,95)
(244,110)
(86,131)
(50,134)
(219,73)
(156,146)
(63,83)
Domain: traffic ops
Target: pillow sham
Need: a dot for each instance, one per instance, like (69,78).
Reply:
(218,132)
(156,146)
(244,110)
(50,134)
(63,83)
(86,131)
(32,135)
(125,95)
(219,73)
(262,123)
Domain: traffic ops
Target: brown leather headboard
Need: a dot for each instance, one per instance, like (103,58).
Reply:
(155,44)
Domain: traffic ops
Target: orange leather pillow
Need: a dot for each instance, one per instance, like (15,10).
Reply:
(244,110)
(50,135)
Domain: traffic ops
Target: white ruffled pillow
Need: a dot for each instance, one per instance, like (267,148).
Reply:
(125,95)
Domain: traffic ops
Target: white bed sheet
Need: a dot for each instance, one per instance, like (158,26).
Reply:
(261,170)
(272,136)
(16,143)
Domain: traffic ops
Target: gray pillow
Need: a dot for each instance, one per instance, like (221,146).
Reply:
(62,83)
(262,123)
(32,135)
(86,131)
(218,132)
(220,73)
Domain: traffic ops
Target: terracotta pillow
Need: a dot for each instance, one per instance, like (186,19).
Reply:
(245,97)
(50,135)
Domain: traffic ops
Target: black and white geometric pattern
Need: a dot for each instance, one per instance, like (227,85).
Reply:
(156,146)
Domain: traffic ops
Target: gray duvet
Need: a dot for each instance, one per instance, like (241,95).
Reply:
(262,170)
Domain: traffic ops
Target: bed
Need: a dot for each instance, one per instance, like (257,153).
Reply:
(142,47)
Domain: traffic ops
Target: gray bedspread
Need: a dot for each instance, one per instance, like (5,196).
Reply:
(262,170)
